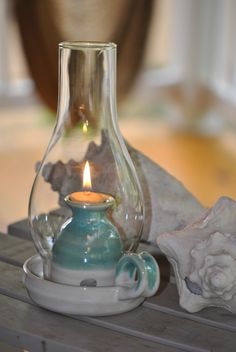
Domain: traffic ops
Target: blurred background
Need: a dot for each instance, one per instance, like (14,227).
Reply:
(176,86)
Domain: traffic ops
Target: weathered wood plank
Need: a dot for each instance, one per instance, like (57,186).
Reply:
(36,329)
(7,348)
(15,250)
(146,323)
(20,229)
(185,333)
(11,282)
(11,285)
(167,300)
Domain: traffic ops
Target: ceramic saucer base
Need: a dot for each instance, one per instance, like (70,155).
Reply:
(68,299)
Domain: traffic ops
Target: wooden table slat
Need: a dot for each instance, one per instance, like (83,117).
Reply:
(20,229)
(167,301)
(15,250)
(143,322)
(36,329)
(159,320)
(11,286)
(18,250)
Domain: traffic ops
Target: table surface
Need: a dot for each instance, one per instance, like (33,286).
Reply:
(159,324)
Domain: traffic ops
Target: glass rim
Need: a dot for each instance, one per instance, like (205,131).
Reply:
(80,45)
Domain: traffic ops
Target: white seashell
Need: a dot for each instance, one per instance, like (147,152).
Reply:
(174,205)
(203,256)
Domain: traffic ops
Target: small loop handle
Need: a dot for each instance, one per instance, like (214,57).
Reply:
(137,275)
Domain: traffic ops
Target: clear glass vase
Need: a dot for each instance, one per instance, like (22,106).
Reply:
(85,140)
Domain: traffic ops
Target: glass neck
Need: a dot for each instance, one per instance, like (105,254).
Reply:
(87,83)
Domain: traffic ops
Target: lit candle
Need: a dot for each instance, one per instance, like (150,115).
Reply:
(89,245)
(85,127)
(87,197)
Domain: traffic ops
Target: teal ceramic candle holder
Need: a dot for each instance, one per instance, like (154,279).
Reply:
(89,246)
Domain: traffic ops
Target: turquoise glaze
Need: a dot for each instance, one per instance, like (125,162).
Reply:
(152,270)
(88,241)
(140,272)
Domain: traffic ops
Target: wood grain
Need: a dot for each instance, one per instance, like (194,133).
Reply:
(15,250)
(154,321)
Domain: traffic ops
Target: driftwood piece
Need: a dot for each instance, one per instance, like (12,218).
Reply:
(168,204)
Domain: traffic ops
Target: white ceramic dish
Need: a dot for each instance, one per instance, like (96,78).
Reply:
(93,301)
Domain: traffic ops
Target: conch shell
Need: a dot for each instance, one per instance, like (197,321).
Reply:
(203,256)
(168,204)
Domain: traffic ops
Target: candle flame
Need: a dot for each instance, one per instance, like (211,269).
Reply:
(85,127)
(87,184)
